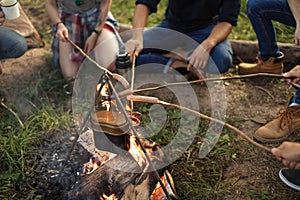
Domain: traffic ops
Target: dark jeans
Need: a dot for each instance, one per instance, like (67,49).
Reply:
(261,13)
(162,39)
(296,98)
(12,44)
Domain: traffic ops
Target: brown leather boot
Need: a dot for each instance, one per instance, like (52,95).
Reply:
(272,65)
(281,127)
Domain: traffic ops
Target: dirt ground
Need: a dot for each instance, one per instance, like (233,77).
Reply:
(250,104)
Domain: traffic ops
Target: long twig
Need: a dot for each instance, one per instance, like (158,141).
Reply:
(132,76)
(239,132)
(12,112)
(157,101)
(210,79)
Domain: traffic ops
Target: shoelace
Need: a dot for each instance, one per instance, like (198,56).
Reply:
(288,115)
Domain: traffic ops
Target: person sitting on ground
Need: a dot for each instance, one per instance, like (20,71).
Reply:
(261,13)
(86,24)
(12,44)
(207,22)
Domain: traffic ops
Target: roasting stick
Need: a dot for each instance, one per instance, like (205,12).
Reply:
(223,78)
(155,100)
(132,77)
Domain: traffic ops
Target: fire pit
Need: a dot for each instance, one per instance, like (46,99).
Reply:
(129,170)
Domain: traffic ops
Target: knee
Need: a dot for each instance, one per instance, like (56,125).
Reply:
(19,47)
(253,6)
(227,63)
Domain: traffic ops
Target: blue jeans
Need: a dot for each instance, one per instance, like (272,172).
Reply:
(296,98)
(12,44)
(162,39)
(261,13)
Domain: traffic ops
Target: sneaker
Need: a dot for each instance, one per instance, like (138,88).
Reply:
(291,177)
(272,65)
(281,127)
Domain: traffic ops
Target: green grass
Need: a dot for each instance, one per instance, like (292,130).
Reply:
(50,113)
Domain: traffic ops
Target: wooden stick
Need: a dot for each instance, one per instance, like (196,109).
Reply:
(211,79)
(156,100)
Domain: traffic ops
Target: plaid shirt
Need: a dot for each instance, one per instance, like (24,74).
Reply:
(80,27)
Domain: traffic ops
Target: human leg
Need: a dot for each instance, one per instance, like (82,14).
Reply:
(12,44)
(106,49)
(68,67)
(261,13)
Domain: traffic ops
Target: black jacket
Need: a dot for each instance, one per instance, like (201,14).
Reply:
(190,15)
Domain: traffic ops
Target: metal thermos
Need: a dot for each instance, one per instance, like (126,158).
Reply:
(123,63)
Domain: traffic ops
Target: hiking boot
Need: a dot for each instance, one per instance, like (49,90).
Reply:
(291,177)
(281,127)
(272,65)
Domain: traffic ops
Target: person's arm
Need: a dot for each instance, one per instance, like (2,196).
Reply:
(104,9)
(2,17)
(201,54)
(139,21)
(289,154)
(52,11)
(295,8)
(90,43)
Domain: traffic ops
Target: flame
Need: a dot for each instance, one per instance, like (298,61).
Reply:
(91,166)
(158,192)
(136,151)
(111,197)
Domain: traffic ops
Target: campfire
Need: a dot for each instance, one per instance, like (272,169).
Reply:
(124,167)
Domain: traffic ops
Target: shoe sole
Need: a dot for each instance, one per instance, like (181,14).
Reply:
(287,182)
(264,140)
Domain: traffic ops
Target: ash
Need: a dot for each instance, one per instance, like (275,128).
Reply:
(47,179)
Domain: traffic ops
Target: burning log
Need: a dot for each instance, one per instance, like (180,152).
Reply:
(113,176)
(124,178)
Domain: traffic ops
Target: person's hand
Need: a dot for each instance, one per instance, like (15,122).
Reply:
(62,32)
(293,75)
(297,35)
(2,17)
(289,154)
(134,47)
(199,57)
(90,43)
